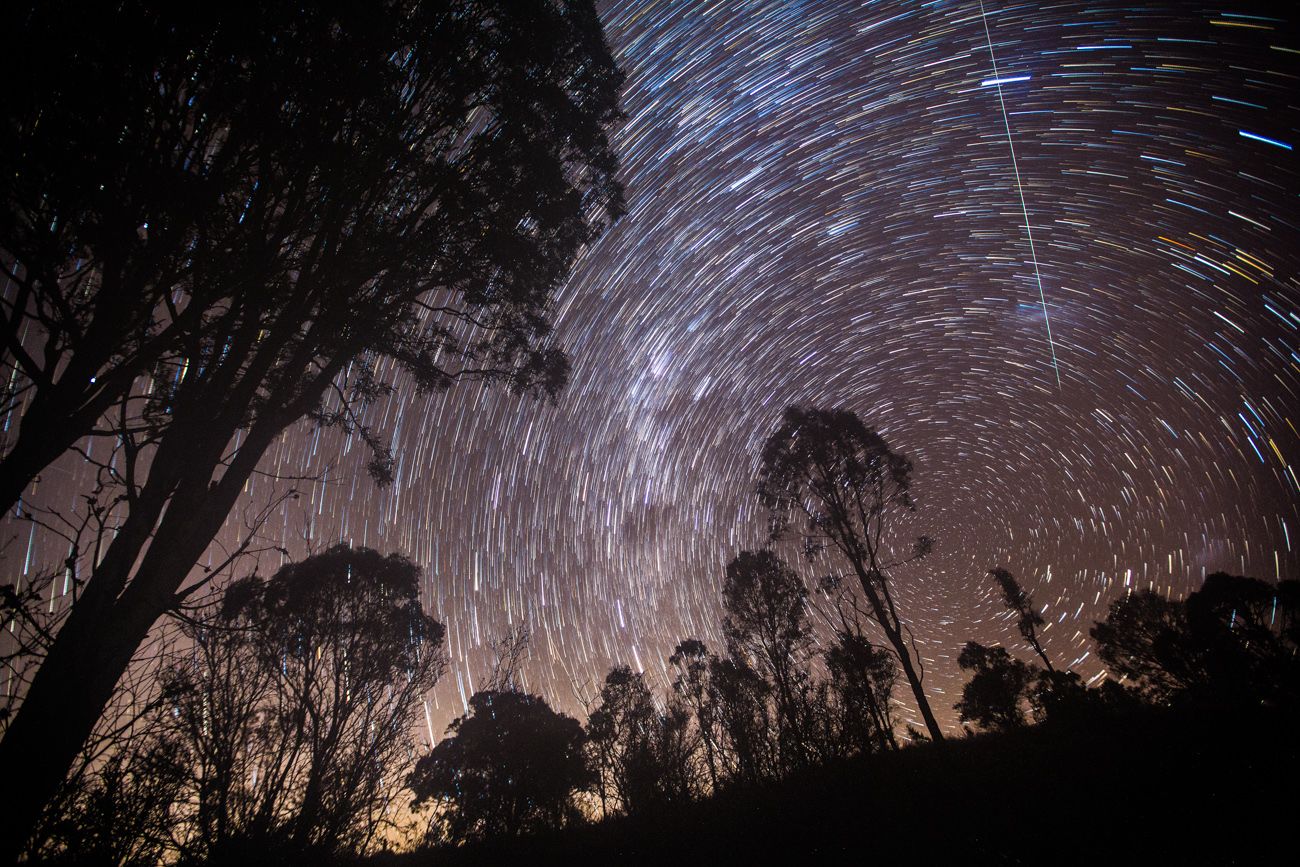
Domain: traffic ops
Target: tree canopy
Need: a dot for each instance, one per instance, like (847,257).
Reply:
(842,479)
(642,757)
(218,223)
(510,766)
(767,624)
(1234,640)
(299,702)
(995,696)
(286,711)
(1018,601)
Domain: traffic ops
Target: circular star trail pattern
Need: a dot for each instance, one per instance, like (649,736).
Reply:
(823,210)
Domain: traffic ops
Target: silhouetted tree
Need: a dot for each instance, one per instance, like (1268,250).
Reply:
(1232,641)
(862,677)
(1019,603)
(678,754)
(747,751)
(511,766)
(692,688)
(766,622)
(1061,697)
(1244,632)
(995,697)
(642,757)
(1140,640)
(115,805)
(296,708)
(620,740)
(844,480)
(217,224)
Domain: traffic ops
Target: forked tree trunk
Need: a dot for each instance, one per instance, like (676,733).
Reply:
(73,686)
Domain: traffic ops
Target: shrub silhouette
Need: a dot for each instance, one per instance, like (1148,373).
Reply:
(511,766)
(995,697)
(1233,641)
(295,706)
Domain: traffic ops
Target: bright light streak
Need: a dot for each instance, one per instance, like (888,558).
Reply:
(990,82)
(1024,209)
(1265,139)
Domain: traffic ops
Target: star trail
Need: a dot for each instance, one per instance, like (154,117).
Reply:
(823,209)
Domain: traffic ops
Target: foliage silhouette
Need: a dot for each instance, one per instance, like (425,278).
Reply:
(286,705)
(747,752)
(1061,698)
(694,692)
(261,208)
(766,623)
(849,487)
(1138,640)
(1234,641)
(863,677)
(296,708)
(995,696)
(643,758)
(511,766)
(761,712)
(1019,603)
(121,815)
(1205,799)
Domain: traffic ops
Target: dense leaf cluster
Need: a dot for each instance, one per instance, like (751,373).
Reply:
(510,765)
(285,715)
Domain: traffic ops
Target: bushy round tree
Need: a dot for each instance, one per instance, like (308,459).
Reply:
(512,765)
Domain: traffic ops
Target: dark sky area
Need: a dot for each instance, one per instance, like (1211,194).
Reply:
(824,208)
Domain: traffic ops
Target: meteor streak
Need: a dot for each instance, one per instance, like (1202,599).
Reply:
(1033,255)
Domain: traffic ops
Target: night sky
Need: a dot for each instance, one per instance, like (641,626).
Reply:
(823,208)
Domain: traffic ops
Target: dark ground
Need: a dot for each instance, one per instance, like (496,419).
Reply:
(1158,788)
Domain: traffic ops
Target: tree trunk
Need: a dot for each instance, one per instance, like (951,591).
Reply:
(909,671)
(75,682)
(33,452)
(70,690)
(894,632)
(707,737)
(66,697)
